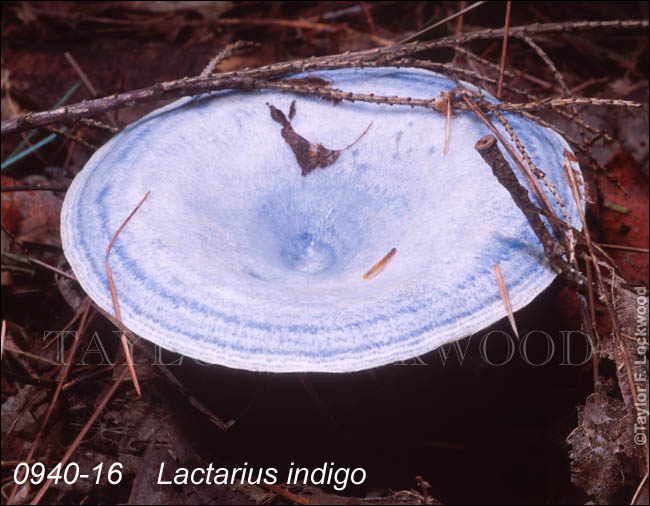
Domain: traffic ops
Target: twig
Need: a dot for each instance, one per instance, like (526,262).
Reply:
(549,63)
(570,177)
(525,169)
(556,74)
(88,84)
(555,102)
(507,73)
(246,79)
(62,132)
(447,124)
(569,240)
(626,248)
(596,165)
(640,487)
(52,268)
(506,298)
(580,236)
(590,322)
(285,493)
(459,28)
(379,266)
(424,486)
(89,122)
(82,75)
(569,115)
(504,49)
(116,306)
(590,82)
(225,53)
(488,149)
(461,17)
(371,23)
(441,22)
(3,332)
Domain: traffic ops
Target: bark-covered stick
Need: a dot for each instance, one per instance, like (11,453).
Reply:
(489,150)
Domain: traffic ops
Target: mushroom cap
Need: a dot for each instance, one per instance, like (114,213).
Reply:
(237,259)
